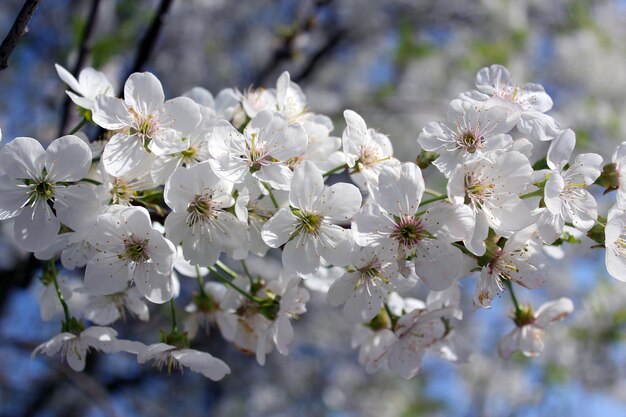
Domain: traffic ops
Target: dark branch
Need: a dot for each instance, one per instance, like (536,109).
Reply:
(17,31)
(331,43)
(146,46)
(284,51)
(84,48)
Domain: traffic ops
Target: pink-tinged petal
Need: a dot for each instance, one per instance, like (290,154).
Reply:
(157,288)
(278,229)
(122,154)
(300,255)
(184,114)
(106,274)
(22,158)
(144,92)
(111,113)
(553,311)
(509,344)
(340,202)
(307,186)
(405,359)
(35,228)
(68,158)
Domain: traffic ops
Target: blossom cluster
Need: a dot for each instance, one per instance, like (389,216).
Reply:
(231,190)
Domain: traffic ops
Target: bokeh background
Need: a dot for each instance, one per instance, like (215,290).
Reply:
(398,63)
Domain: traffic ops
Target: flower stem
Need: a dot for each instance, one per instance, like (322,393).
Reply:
(173,311)
(269,190)
(51,267)
(334,170)
(536,193)
(432,200)
(509,285)
(247,272)
(229,283)
(200,280)
(432,192)
(90,181)
(78,126)
(226,269)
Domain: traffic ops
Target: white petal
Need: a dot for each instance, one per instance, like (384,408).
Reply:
(144,92)
(35,228)
(68,158)
(307,186)
(111,113)
(278,229)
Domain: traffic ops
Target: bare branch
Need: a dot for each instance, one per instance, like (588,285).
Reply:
(17,31)
(146,46)
(84,48)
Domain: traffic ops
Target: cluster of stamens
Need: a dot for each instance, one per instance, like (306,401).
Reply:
(409,231)
(201,209)
(310,223)
(136,249)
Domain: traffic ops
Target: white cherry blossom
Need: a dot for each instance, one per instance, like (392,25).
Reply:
(87,88)
(309,230)
(172,358)
(491,188)
(130,250)
(527,337)
(147,123)
(472,130)
(198,221)
(40,189)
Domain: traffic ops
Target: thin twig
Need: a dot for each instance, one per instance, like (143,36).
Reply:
(149,40)
(84,48)
(18,30)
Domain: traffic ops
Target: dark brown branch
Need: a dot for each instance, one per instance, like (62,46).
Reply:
(17,31)
(149,40)
(331,43)
(284,51)
(84,48)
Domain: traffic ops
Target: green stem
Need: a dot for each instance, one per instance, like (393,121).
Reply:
(464,249)
(432,200)
(432,192)
(66,311)
(226,281)
(200,280)
(247,272)
(536,193)
(78,126)
(509,285)
(334,170)
(269,190)
(173,311)
(90,181)
(226,269)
